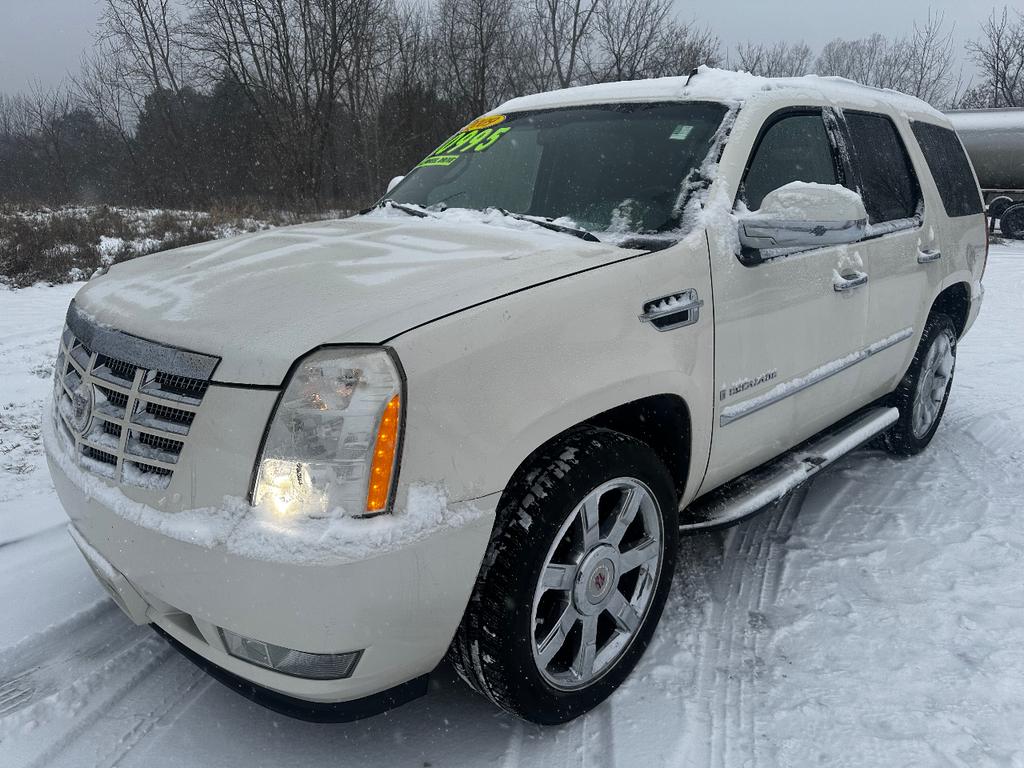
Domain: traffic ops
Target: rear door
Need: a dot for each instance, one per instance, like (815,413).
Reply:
(903,234)
(956,190)
(782,330)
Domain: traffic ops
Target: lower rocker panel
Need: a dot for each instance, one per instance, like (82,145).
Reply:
(747,495)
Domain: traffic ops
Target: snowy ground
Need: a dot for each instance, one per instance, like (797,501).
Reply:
(877,619)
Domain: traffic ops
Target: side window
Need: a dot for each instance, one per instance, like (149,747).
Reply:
(794,148)
(888,184)
(950,169)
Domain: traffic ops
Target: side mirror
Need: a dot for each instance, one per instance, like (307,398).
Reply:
(805,215)
(394,183)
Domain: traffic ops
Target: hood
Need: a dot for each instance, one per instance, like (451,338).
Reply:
(260,301)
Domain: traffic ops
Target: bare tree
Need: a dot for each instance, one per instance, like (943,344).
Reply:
(295,60)
(635,39)
(48,112)
(999,54)
(921,64)
(781,59)
(476,53)
(929,61)
(688,46)
(140,60)
(101,87)
(564,30)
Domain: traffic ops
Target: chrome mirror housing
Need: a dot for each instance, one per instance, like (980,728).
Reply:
(804,215)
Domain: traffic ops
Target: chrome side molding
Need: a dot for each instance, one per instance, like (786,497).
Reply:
(790,387)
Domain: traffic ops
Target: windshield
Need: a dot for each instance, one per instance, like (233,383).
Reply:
(613,168)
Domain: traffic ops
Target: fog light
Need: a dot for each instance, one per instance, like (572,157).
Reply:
(312,666)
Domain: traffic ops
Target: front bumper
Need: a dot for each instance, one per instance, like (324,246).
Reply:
(401,607)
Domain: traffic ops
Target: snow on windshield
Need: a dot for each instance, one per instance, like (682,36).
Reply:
(617,169)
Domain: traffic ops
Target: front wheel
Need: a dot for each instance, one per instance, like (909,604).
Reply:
(575,578)
(922,394)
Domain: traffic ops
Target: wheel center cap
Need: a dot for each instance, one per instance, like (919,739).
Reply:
(595,580)
(601,582)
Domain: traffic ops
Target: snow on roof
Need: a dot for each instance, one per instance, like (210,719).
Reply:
(709,84)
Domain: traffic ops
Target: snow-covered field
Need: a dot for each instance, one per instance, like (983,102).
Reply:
(876,619)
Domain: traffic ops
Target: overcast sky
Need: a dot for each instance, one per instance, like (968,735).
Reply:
(42,40)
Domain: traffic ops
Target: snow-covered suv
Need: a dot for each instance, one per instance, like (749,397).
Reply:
(475,419)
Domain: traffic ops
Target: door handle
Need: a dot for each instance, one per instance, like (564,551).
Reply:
(672,311)
(928,255)
(849,282)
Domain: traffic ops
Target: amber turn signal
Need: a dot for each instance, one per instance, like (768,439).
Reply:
(382,467)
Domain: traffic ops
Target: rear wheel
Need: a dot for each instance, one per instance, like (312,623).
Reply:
(922,394)
(575,578)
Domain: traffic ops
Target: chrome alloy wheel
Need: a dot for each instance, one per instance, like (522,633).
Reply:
(932,384)
(597,583)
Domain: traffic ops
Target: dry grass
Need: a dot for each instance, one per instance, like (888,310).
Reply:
(68,244)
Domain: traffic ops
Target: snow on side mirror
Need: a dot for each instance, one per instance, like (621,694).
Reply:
(805,215)
(394,183)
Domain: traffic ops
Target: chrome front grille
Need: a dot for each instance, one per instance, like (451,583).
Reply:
(125,405)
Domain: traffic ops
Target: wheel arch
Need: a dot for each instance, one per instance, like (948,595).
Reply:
(661,421)
(954,301)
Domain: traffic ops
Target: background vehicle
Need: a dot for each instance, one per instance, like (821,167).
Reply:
(994,139)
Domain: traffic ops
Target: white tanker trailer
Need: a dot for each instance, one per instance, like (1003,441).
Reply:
(994,140)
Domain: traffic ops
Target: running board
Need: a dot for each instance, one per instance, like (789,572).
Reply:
(749,494)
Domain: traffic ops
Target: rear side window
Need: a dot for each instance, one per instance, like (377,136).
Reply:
(887,180)
(794,148)
(950,169)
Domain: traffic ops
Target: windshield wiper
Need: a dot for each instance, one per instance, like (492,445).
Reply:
(400,206)
(540,221)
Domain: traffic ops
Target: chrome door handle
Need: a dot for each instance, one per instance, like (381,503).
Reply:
(855,280)
(672,311)
(927,256)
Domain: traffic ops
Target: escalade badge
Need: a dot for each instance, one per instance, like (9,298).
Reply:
(744,384)
(81,408)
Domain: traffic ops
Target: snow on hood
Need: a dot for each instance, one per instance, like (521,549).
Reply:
(260,301)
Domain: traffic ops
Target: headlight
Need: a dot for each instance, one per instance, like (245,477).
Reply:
(332,447)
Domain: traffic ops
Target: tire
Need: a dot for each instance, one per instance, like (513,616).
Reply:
(1011,223)
(998,206)
(512,619)
(924,387)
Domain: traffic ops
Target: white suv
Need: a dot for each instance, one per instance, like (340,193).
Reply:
(475,419)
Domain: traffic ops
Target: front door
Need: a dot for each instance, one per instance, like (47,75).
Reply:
(784,331)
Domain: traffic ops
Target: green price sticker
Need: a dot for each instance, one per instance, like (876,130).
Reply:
(469,139)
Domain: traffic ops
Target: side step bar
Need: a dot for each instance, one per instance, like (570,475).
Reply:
(749,494)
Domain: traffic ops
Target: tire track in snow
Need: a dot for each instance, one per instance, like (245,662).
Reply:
(731,662)
(42,664)
(195,682)
(56,684)
(110,712)
(37,733)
